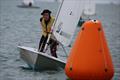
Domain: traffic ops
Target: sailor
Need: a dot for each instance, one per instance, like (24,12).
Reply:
(46,22)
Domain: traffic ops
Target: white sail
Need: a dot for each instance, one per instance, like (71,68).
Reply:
(68,18)
(89,8)
(28,2)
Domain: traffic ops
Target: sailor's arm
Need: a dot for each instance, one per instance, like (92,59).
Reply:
(43,29)
(51,25)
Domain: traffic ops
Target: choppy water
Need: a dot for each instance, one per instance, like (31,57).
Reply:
(21,26)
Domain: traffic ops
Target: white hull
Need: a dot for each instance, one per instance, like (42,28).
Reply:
(40,61)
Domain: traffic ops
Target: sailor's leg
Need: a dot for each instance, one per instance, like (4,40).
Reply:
(53,49)
(41,43)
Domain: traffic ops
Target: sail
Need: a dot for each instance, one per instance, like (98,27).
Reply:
(28,2)
(68,18)
(89,8)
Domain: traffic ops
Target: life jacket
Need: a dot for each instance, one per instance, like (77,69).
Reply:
(47,29)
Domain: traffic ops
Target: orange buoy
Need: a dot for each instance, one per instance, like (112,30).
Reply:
(90,58)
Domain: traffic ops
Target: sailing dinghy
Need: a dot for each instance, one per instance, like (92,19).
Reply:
(89,8)
(68,15)
(38,60)
(28,4)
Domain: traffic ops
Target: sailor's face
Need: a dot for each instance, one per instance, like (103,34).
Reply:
(46,16)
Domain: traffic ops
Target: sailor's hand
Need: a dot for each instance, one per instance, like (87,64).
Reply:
(49,32)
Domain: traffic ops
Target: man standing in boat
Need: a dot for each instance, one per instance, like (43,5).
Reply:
(46,22)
